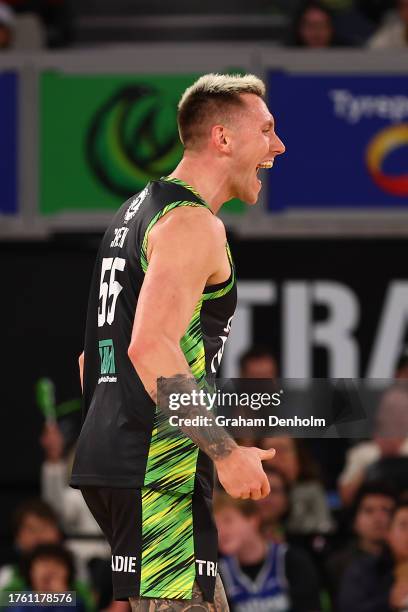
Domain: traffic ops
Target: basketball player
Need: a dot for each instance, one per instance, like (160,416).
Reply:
(160,308)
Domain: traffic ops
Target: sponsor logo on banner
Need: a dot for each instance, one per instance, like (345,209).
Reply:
(350,151)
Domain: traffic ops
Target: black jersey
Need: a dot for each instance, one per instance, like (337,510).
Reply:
(125,441)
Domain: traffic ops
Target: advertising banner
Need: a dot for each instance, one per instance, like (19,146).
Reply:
(8,143)
(103,137)
(346,140)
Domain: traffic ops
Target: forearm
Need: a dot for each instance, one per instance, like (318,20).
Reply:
(164,371)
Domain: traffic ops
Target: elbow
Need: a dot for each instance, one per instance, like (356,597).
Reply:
(140,351)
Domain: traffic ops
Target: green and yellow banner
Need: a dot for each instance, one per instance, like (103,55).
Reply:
(103,137)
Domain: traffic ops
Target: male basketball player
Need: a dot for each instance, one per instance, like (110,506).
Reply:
(160,308)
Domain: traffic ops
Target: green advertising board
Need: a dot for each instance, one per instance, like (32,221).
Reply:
(103,137)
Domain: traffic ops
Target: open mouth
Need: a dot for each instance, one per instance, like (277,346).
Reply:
(266,164)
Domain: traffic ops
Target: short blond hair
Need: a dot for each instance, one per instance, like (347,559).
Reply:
(213,96)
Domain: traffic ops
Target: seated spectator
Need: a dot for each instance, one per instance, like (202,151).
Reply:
(314,27)
(56,15)
(50,569)
(380,584)
(309,508)
(390,440)
(85,538)
(371,517)
(258,362)
(35,524)
(258,575)
(393,34)
(6,26)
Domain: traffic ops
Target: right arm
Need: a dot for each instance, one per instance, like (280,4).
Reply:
(185,250)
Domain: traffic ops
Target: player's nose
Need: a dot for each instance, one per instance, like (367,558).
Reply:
(277,146)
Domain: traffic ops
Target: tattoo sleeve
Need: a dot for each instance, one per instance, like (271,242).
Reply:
(213,439)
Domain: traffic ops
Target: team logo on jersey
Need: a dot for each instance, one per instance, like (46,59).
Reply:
(107,355)
(135,205)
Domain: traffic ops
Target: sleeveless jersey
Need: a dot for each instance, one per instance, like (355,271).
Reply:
(267,593)
(124,440)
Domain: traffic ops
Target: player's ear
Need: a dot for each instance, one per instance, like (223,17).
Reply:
(220,138)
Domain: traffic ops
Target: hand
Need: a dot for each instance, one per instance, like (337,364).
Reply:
(399,595)
(241,472)
(52,442)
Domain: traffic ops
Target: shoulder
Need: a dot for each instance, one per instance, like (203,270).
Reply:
(195,224)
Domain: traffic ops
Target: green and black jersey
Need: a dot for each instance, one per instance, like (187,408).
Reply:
(125,441)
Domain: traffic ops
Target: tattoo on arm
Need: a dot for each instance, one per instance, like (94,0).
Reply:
(213,439)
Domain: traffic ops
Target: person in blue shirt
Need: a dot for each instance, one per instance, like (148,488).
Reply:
(261,576)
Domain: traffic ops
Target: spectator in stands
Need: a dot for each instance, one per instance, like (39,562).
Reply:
(314,27)
(380,584)
(371,517)
(258,575)
(390,440)
(393,34)
(50,569)
(274,509)
(35,524)
(55,15)
(258,362)
(92,553)
(310,511)
(6,26)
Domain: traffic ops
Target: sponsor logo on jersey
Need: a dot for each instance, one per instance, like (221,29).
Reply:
(206,568)
(135,205)
(123,564)
(107,355)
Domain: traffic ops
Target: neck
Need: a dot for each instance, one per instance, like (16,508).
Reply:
(272,531)
(370,546)
(207,176)
(253,551)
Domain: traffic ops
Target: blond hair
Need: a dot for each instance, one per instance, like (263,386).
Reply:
(213,96)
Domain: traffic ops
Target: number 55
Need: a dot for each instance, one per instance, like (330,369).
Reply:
(109,290)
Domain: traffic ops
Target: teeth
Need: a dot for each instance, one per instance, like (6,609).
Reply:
(267,164)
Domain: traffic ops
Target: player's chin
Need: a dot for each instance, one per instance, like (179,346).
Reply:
(252,195)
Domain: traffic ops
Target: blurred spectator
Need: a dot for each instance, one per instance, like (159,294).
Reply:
(7,22)
(390,440)
(91,552)
(309,508)
(35,524)
(371,516)
(258,575)
(56,16)
(275,507)
(68,503)
(393,34)
(50,569)
(380,584)
(314,27)
(258,362)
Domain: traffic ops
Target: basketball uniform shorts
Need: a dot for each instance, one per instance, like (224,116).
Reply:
(161,541)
